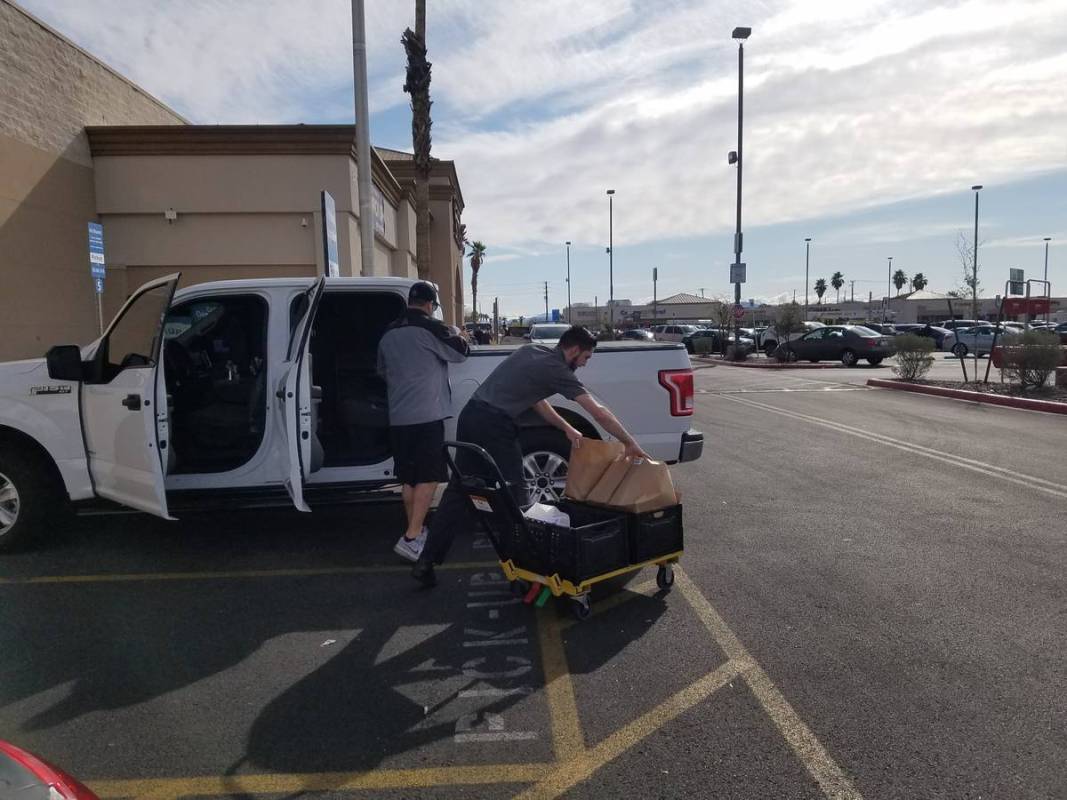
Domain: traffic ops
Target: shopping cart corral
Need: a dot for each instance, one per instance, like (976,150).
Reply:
(542,559)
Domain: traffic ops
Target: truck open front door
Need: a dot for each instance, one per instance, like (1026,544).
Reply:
(294,395)
(124,403)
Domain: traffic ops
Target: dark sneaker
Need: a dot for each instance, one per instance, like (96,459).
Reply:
(423,573)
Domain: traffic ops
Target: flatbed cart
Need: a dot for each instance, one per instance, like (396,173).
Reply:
(511,534)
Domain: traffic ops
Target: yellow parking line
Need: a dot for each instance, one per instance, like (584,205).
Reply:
(578,769)
(807,748)
(644,589)
(567,738)
(383,569)
(208,786)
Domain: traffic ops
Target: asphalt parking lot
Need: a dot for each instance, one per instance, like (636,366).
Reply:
(871,605)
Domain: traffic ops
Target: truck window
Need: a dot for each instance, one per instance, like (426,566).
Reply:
(132,342)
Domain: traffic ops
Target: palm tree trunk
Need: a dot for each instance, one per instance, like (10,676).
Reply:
(474,298)
(418,86)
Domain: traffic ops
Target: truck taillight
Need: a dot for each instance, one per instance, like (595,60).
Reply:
(61,786)
(679,384)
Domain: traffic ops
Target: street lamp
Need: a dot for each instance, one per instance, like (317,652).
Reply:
(611,261)
(974,275)
(1048,289)
(570,319)
(807,246)
(888,290)
(740,34)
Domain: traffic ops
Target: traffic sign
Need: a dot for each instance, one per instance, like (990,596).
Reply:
(99,284)
(737,272)
(1015,281)
(739,312)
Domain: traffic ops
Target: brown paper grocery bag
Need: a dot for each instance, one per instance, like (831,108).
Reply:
(605,487)
(646,486)
(587,465)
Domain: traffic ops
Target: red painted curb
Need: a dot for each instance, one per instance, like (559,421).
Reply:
(1049,406)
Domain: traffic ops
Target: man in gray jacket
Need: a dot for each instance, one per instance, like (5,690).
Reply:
(413,357)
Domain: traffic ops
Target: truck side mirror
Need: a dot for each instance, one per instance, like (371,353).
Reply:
(65,363)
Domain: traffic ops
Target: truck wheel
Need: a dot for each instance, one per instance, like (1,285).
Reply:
(29,495)
(959,350)
(545,452)
(769,348)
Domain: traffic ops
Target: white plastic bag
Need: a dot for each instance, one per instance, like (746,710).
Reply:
(549,514)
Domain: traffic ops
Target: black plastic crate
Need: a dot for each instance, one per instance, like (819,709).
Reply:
(595,543)
(653,534)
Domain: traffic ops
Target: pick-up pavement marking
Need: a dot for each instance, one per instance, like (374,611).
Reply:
(575,762)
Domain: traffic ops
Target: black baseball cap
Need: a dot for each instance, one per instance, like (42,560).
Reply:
(422,292)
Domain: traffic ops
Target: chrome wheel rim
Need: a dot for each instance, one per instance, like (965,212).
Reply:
(849,358)
(545,473)
(9,504)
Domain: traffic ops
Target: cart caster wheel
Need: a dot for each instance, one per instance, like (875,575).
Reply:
(581,608)
(665,577)
(519,587)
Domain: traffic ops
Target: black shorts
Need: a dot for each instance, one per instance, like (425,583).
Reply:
(418,452)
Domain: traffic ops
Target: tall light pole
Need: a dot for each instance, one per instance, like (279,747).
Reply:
(655,277)
(570,319)
(807,254)
(974,274)
(611,261)
(740,34)
(1048,289)
(888,290)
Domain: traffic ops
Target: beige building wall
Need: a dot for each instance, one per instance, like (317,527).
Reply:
(49,91)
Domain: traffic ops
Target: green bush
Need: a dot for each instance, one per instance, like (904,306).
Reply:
(1031,359)
(703,345)
(914,356)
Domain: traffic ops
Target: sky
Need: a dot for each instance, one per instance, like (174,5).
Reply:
(865,125)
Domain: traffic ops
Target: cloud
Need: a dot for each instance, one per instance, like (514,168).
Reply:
(545,105)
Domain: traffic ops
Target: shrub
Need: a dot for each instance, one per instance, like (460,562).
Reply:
(703,345)
(914,356)
(1031,359)
(736,353)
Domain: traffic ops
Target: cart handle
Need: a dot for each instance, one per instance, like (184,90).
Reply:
(479,451)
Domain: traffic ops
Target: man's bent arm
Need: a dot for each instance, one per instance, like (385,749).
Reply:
(609,422)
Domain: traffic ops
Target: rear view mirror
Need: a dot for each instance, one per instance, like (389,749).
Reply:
(65,362)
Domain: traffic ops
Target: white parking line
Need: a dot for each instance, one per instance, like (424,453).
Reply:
(1011,476)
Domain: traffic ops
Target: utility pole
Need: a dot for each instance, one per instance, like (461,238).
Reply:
(853,291)
(807,260)
(974,289)
(1048,289)
(740,34)
(655,277)
(546,302)
(570,320)
(363,157)
(496,319)
(701,292)
(611,261)
(596,309)
(888,290)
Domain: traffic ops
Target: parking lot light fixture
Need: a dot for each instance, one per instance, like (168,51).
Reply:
(807,254)
(611,261)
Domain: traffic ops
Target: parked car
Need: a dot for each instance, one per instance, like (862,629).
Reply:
(542,333)
(883,328)
(769,340)
(933,332)
(717,342)
(675,333)
(637,335)
(24,776)
(847,343)
(265,391)
(966,341)
(907,327)
(953,324)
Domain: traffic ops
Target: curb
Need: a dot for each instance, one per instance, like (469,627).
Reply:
(1048,406)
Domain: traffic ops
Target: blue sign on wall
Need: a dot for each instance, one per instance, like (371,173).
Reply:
(97,267)
(556,315)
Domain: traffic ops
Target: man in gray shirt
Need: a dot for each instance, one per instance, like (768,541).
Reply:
(523,381)
(413,357)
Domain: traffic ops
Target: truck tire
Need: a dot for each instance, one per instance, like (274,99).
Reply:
(30,496)
(769,348)
(545,453)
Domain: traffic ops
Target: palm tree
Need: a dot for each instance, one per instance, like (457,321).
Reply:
(837,280)
(820,288)
(476,255)
(418,86)
(918,283)
(900,280)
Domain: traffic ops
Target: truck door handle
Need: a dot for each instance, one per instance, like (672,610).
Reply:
(132,402)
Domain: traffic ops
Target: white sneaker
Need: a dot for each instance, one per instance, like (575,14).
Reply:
(410,549)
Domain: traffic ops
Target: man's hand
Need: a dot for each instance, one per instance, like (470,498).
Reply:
(633,451)
(574,436)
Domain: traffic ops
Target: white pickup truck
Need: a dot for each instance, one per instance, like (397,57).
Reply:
(265,392)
